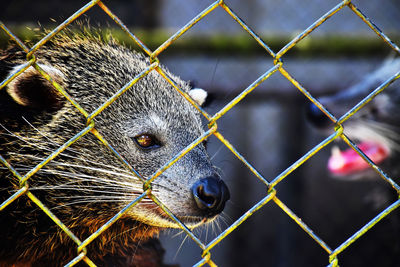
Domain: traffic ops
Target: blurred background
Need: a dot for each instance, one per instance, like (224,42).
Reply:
(268,127)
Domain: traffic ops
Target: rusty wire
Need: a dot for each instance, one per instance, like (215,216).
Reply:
(279,66)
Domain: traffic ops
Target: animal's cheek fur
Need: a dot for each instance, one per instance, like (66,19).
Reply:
(180,202)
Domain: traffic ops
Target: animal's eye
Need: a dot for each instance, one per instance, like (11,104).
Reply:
(147,141)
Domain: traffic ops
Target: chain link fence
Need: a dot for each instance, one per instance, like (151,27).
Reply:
(270,197)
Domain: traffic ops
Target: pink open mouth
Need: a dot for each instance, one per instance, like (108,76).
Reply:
(349,162)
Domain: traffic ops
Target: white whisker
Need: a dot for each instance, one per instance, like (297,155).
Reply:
(180,246)
(217,152)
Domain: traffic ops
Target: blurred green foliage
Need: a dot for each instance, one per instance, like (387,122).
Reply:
(327,45)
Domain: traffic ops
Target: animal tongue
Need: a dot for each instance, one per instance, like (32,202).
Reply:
(349,162)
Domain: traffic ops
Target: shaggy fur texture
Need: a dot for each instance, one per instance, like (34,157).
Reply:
(86,185)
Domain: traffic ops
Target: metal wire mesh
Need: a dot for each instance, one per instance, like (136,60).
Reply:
(271,195)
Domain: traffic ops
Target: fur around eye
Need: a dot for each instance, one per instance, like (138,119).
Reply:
(147,141)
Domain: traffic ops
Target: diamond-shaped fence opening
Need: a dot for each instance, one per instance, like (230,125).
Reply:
(271,185)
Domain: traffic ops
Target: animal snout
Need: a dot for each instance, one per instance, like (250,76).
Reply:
(316,117)
(210,195)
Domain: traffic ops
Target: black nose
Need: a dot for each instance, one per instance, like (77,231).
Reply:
(210,195)
(316,117)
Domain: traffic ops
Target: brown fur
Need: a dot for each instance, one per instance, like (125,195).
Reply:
(86,184)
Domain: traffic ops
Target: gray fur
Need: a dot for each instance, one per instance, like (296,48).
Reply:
(87,180)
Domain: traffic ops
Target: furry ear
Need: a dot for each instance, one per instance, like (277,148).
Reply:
(31,89)
(199,95)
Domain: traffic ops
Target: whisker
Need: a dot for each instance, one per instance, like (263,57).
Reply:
(225,218)
(38,143)
(25,139)
(97,200)
(114,193)
(179,233)
(124,232)
(81,177)
(217,152)
(180,246)
(68,164)
(42,134)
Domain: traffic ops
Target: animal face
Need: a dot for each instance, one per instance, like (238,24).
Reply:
(147,125)
(375,128)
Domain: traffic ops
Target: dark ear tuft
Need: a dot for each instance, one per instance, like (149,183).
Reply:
(32,90)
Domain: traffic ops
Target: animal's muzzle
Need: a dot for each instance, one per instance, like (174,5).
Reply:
(210,195)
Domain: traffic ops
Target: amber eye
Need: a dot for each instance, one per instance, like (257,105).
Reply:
(147,141)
